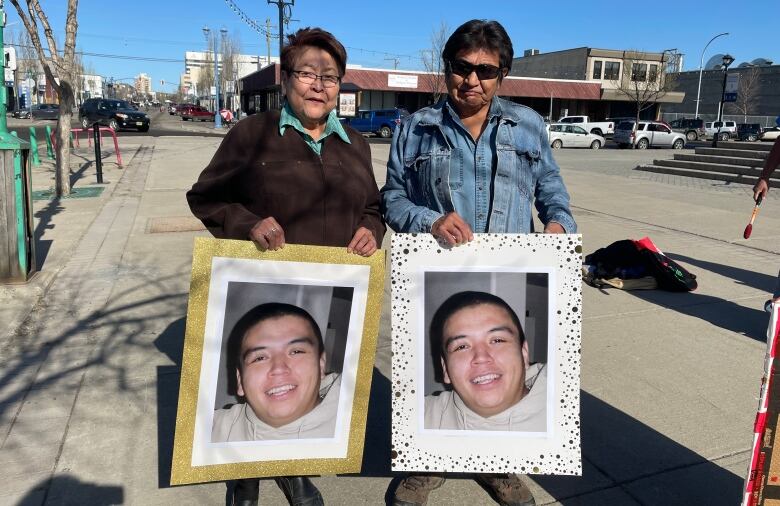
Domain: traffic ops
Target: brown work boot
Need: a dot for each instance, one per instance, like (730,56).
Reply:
(507,489)
(414,489)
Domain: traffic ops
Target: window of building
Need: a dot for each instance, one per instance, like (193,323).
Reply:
(612,70)
(653,73)
(597,69)
(639,72)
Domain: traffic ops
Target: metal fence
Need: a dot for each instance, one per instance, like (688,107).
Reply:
(764,121)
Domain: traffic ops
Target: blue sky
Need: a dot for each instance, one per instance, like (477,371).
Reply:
(375,32)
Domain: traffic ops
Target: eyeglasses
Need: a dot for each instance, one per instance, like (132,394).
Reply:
(328,81)
(484,71)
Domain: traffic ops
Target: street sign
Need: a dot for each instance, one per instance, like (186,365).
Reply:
(732,88)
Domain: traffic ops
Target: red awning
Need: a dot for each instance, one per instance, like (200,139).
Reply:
(379,80)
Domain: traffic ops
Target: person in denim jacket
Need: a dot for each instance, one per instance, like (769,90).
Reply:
(473,163)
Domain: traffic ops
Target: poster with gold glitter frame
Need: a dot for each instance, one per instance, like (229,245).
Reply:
(486,354)
(278,356)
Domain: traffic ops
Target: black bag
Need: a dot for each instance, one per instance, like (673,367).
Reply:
(670,275)
(629,259)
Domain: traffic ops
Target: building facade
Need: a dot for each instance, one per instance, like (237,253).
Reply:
(412,90)
(143,84)
(758,94)
(625,77)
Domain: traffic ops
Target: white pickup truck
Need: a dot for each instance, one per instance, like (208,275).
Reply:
(602,128)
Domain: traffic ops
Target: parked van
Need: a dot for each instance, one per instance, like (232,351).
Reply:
(381,122)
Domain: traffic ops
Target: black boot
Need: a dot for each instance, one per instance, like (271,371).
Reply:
(245,492)
(300,491)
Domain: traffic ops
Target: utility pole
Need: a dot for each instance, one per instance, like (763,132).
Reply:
(268,39)
(281,4)
(395,62)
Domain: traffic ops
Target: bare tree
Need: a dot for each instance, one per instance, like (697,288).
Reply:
(59,70)
(746,92)
(229,54)
(206,73)
(643,81)
(433,62)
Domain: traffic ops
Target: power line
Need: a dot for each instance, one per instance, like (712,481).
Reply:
(113,56)
(249,21)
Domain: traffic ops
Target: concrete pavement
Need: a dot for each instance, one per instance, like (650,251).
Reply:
(91,349)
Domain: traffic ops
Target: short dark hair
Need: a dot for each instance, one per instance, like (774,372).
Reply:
(256,315)
(479,34)
(312,37)
(452,305)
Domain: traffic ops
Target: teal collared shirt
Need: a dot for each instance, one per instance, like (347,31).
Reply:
(332,125)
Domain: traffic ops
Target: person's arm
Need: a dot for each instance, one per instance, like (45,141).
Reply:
(772,161)
(400,212)
(213,198)
(550,196)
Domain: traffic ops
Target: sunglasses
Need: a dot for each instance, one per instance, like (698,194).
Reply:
(484,71)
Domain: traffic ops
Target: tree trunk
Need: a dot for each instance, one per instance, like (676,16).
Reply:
(62,173)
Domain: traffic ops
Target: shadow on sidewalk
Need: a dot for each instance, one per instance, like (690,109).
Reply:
(756,280)
(66,490)
(170,342)
(644,463)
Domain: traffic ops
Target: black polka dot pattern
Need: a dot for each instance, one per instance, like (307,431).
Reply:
(558,452)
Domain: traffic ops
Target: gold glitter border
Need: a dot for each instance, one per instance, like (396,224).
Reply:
(182,471)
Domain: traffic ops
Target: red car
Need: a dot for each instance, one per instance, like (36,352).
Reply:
(195,112)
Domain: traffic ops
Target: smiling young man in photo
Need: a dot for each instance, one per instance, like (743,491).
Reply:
(480,344)
(277,353)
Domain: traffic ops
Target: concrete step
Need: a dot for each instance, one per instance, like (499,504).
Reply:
(748,146)
(738,153)
(704,174)
(709,167)
(724,160)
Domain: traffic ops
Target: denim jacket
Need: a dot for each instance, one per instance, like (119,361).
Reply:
(425,182)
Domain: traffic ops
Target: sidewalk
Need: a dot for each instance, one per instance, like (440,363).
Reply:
(89,380)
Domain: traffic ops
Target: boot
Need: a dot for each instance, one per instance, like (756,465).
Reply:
(299,491)
(245,492)
(414,489)
(507,489)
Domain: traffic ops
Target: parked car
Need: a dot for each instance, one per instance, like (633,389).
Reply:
(748,131)
(601,128)
(195,112)
(692,128)
(770,134)
(39,111)
(172,109)
(648,134)
(573,136)
(113,113)
(723,129)
(381,122)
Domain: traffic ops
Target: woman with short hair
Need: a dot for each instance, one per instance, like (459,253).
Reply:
(294,176)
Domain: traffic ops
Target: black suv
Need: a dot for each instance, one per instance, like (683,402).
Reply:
(115,114)
(693,128)
(748,131)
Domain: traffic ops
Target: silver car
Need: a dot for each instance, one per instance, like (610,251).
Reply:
(649,134)
(564,135)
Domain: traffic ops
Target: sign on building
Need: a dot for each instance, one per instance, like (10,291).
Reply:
(402,81)
(347,103)
(732,87)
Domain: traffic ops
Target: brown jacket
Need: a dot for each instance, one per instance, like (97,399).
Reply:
(318,200)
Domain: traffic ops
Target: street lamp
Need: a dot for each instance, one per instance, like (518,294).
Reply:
(727,60)
(701,67)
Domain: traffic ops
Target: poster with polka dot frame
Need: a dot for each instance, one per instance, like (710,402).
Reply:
(473,398)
